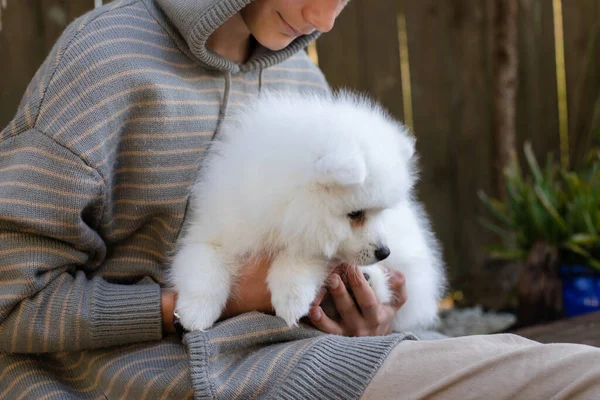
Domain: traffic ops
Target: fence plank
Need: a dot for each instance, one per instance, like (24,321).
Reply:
(537,105)
(22,53)
(30,28)
(582,58)
(427,25)
(339,50)
(361,53)
(449,60)
(57,14)
(380,53)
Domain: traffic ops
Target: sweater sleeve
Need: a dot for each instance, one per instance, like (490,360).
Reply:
(50,204)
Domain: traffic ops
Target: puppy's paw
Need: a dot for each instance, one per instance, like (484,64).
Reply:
(197,314)
(378,280)
(292,304)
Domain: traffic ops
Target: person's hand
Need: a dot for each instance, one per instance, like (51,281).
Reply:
(364,317)
(168,298)
(251,293)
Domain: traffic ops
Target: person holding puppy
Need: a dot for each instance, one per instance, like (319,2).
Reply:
(96,169)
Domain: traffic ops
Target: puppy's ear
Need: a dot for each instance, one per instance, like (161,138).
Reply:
(342,169)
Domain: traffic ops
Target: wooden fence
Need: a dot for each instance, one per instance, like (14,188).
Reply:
(442,81)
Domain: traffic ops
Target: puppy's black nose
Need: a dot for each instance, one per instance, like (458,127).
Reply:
(382,253)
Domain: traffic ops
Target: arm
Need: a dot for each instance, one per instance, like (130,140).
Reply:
(50,205)
(370,318)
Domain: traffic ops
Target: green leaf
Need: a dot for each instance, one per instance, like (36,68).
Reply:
(583,239)
(532,162)
(513,194)
(505,234)
(496,207)
(577,250)
(550,208)
(588,222)
(508,254)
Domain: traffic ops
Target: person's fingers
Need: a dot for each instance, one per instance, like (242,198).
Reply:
(342,299)
(319,299)
(323,323)
(365,297)
(398,286)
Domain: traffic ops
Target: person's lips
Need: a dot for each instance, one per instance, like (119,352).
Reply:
(291,30)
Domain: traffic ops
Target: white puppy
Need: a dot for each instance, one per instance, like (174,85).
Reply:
(306,180)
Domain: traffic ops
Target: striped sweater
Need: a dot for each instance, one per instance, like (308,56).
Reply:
(95,170)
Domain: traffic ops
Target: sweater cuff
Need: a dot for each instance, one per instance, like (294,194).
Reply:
(123,314)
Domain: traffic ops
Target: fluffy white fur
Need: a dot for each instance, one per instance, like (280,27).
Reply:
(281,179)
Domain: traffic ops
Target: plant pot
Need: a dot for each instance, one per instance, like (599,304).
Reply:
(539,290)
(581,289)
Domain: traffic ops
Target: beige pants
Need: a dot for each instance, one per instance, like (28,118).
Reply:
(487,367)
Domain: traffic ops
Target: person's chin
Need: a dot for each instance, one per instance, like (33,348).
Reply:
(275,43)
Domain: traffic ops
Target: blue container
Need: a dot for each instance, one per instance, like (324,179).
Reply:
(581,289)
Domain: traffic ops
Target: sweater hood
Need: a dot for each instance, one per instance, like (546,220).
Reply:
(196,20)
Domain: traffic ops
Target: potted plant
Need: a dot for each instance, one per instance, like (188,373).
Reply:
(580,265)
(550,221)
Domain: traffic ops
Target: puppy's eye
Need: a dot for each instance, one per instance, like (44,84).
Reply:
(356,215)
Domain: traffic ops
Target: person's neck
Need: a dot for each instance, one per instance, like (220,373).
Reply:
(231,40)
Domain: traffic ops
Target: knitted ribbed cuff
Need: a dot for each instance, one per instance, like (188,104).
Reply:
(122,314)
(196,343)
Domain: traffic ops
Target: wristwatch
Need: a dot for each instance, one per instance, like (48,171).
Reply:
(177,324)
